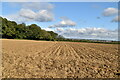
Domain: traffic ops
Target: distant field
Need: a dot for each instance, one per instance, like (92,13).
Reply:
(47,59)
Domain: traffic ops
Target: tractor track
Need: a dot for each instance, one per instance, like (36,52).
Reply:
(58,60)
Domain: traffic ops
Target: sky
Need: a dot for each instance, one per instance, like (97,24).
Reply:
(79,20)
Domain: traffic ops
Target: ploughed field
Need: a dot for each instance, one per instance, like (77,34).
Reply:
(47,59)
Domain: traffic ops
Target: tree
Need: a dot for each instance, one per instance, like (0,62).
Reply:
(61,38)
(54,35)
(10,29)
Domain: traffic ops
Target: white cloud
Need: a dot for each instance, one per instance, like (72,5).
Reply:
(116,19)
(27,13)
(60,0)
(40,16)
(110,11)
(48,29)
(20,0)
(40,12)
(88,33)
(37,5)
(66,22)
(17,18)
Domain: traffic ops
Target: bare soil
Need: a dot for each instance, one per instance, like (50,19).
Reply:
(47,59)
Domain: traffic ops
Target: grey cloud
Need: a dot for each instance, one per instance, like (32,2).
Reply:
(21,0)
(17,18)
(60,1)
(38,6)
(116,19)
(41,16)
(88,33)
(110,11)
(32,11)
(27,13)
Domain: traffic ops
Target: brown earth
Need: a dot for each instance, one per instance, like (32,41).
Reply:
(47,59)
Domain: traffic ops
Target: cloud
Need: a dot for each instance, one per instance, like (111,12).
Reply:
(21,0)
(27,13)
(40,12)
(66,22)
(40,16)
(38,6)
(33,5)
(17,18)
(116,19)
(59,0)
(48,29)
(88,33)
(110,11)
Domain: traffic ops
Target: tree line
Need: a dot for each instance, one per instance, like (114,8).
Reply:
(12,30)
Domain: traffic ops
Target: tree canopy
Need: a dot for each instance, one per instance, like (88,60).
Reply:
(12,30)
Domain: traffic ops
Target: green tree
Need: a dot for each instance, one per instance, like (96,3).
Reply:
(10,29)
